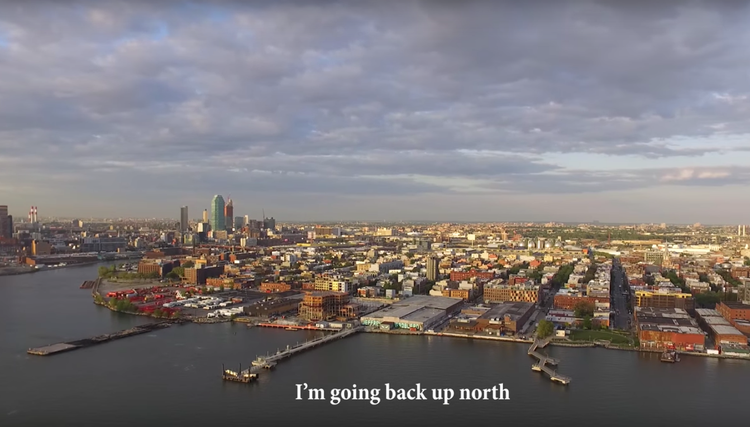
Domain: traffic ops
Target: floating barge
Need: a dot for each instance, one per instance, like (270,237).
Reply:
(670,356)
(240,376)
(58,348)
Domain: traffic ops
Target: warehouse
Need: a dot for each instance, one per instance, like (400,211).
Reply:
(498,319)
(661,328)
(420,312)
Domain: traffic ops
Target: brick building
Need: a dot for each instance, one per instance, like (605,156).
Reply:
(198,276)
(458,276)
(662,328)
(520,292)
(738,272)
(569,301)
(275,287)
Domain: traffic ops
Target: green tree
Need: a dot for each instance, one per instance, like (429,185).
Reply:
(172,275)
(545,328)
(187,264)
(747,261)
(587,322)
(708,299)
(584,309)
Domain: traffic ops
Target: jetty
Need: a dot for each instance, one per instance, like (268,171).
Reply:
(52,349)
(545,362)
(269,361)
(90,284)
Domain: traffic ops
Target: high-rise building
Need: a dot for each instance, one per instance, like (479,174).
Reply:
(184,219)
(4,221)
(217,222)
(269,223)
(10,226)
(205,215)
(238,221)
(228,214)
(433,268)
(247,220)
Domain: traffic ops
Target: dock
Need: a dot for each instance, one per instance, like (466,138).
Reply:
(269,361)
(545,362)
(62,347)
(292,327)
(90,284)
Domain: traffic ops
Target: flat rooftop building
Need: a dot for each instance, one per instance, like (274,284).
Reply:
(419,312)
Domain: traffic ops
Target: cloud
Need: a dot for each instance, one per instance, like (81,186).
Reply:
(346,98)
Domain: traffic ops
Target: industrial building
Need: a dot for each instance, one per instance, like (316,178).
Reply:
(721,331)
(275,287)
(497,319)
(662,328)
(420,312)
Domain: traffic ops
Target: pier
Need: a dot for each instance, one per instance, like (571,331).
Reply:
(545,362)
(62,347)
(90,284)
(269,361)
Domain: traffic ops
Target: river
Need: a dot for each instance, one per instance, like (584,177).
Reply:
(172,376)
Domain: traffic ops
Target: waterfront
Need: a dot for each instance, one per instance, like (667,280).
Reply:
(173,375)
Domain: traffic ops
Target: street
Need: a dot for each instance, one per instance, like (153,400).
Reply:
(619,304)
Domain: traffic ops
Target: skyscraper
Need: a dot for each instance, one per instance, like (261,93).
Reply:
(205,215)
(184,219)
(433,268)
(4,221)
(218,223)
(229,214)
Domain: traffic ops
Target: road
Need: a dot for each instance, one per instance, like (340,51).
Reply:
(619,302)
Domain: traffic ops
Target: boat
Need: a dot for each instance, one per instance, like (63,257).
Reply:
(670,356)
(291,329)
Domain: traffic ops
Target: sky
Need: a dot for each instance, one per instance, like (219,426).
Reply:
(378,110)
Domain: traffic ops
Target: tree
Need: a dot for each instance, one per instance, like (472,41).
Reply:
(545,328)
(747,261)
(187,264)
(708,299)
(587,322)
(583,309)
(179,271)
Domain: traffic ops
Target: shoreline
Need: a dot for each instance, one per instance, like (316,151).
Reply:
(572,344)
(27,270)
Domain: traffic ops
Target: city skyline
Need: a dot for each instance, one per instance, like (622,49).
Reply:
(373,111)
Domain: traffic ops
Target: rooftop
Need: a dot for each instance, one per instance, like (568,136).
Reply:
(513,309)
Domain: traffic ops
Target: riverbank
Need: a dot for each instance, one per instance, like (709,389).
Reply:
(13,271)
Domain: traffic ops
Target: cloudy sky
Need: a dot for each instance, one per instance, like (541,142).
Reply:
(434,110)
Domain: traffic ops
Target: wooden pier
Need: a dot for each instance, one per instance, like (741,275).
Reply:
(62,347)
(545,362)
(90,284)
(269,361)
